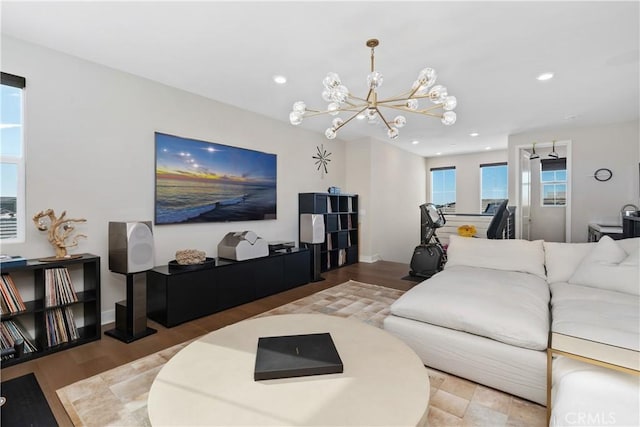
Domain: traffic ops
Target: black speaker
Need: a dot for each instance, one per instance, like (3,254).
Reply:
(130,247)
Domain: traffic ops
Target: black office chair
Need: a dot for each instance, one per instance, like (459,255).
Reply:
(498,222)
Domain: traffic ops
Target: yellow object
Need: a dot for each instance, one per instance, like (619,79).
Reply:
(467,230)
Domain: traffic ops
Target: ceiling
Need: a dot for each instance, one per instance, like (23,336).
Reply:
(487,54)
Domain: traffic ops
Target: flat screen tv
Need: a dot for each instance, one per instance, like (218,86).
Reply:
(199,181)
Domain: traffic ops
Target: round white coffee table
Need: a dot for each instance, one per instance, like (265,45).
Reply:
(210,382)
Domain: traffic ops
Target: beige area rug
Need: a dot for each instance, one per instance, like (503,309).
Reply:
(118,397)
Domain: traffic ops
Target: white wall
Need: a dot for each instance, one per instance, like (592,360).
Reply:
(89,133)
(613,146)
(391,184)
(358,177)
(467,176)
(398,180)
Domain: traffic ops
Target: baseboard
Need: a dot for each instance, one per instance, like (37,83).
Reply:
(370,259)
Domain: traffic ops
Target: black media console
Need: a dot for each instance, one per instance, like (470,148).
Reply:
(177,296)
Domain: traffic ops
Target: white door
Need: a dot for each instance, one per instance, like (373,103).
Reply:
(525,194)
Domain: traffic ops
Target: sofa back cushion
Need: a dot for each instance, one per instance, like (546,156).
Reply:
(609,266)
(508,255)
(562,259)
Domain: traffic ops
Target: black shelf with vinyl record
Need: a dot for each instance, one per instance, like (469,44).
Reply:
(340,216)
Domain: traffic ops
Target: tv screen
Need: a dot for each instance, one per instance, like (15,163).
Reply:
(198,181)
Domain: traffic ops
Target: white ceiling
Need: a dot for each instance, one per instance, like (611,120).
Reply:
(487,53)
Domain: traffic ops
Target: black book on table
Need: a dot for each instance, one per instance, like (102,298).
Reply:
(296,356)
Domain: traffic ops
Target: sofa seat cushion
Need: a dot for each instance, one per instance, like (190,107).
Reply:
(598,315)
(589,395)
(507,306)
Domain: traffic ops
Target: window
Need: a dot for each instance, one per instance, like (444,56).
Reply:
(443,188)
(11,159)
(493,184)
(553,182)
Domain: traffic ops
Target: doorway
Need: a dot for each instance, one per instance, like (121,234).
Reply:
(541,217)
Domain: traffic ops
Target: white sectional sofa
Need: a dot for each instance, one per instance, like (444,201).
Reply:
(488,315)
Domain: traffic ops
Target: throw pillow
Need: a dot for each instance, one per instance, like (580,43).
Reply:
(562,259)
(609,267)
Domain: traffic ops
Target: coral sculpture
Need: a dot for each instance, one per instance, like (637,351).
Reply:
(190,257)
(59,230)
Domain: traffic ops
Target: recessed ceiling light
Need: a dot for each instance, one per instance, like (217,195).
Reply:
(571,117)
(360,116)
(474,134)
(487,148)
(545,76)
(415,142)
(280,79)
(437,154)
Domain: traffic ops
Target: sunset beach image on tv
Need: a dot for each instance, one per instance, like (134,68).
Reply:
(198,181)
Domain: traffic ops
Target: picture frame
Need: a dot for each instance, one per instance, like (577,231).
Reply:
(198,181)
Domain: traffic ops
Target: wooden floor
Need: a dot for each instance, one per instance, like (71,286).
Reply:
(66,367)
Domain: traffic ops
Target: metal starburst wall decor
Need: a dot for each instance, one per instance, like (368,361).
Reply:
(322,159)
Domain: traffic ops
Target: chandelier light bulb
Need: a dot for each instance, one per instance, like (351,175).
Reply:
(400,121)
(330,133)
(450,103)
(326,95)
(374,80)
(300,107)
(333,108)
(438,94)
(340,94)
(412,104)
(449,118)
(331,81)
(427,77)
(337,122)
(295,118)
(392,133)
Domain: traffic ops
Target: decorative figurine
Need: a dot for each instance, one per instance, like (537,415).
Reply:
(60,230)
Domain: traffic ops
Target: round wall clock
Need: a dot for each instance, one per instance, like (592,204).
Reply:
(322,159)
(603,174)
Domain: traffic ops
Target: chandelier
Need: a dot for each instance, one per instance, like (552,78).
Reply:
(341,100)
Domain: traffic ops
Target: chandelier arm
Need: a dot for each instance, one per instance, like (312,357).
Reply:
(369,95)
(383,119)
(351,103)
(403,97)
(433,107)
(349,119)
(413,91)
(313,113)
(357,98)
(426,113)
(407,109)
